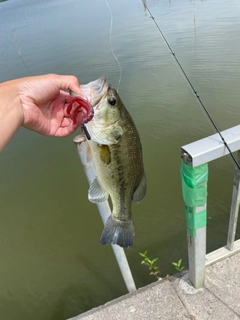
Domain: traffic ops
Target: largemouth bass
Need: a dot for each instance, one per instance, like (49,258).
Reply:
(116,150)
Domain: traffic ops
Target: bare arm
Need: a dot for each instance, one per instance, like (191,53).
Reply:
(11,117)
(39,104)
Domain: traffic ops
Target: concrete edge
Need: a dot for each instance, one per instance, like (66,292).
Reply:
(117,300)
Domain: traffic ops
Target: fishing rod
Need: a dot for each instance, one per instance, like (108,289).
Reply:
(190,84)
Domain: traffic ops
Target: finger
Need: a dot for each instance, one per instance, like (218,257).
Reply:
(67,127)
(65,131)
(66,99)
(79,119)
(66,122)
(68,83)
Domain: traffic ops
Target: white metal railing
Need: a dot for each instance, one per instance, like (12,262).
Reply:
(196,154)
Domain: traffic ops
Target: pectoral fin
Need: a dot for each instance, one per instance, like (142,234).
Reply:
(96,193)
(141,190)
(115,133)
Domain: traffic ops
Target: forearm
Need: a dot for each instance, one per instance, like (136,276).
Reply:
(10,112)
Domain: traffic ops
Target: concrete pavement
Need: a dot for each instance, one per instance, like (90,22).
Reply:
(175,298)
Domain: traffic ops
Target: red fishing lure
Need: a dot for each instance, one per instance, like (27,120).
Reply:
(79,104)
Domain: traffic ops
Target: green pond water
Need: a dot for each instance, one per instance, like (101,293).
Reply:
(52,264)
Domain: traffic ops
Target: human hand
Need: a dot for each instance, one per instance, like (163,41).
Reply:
(44,104)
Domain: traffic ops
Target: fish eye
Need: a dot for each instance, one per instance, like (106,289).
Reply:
(112,101)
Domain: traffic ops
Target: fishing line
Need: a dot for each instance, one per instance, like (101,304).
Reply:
(110,40)
(18,49)
(191,85)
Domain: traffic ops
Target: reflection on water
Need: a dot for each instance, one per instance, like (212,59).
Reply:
(52,265)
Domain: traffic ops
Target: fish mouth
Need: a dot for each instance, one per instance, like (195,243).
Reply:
(95,90)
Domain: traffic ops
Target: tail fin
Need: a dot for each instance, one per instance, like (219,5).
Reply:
(118,232)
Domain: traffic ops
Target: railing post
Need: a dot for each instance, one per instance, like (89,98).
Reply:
(194,188)
(234,207)
(104,210)
(195,155)
(196,255)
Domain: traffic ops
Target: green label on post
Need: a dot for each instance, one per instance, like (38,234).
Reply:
(194,190)
(194,220)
